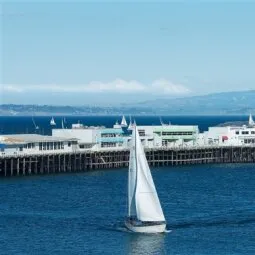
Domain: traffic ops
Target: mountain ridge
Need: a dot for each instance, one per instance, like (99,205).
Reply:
(224,103)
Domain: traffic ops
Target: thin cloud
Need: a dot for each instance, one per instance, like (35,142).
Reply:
(160,86)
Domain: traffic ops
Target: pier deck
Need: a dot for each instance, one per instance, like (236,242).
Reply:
(87,161)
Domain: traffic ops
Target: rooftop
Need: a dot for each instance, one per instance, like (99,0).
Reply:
(31,138)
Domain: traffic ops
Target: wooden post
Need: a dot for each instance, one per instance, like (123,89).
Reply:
(59,163)
(48,164)
(36,165)
(11,166)
(42,165)
(5,167)
(24,166)
(17,166)
(29,167)
(64,163)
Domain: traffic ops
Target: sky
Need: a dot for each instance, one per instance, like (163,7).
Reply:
(123,52)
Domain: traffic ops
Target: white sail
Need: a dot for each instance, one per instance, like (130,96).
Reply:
(251,121)
(148,207)
(130,126)
(123,122)
(63,126)
(132,179)
(52,122)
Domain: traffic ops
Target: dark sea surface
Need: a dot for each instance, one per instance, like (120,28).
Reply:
(209,208)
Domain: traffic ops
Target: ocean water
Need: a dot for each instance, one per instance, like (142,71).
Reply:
(210,209)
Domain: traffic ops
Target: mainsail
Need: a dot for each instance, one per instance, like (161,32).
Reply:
(123,122)
(132,178)
(141,185)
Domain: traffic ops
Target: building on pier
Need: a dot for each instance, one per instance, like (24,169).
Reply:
(34,144)
(228,136)
(98,138)
(168,135)
(82,138)
(94,138)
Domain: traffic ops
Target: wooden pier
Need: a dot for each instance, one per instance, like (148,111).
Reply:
(87,161)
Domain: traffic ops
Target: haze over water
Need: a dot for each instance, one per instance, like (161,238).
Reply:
(209,208)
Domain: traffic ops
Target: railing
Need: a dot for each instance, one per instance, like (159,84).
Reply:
(178,137)
(122,148)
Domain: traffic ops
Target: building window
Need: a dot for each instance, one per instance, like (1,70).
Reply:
(51,145)
(141,132)
(104,145)
(176,133)
(108,135)
(85,146)
(252,132)
(164,143)
(237,132)
(245,132)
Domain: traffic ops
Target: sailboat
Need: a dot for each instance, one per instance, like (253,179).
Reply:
(123,122)
(162,123)
(145,214)
(251,121)
(36,127)
(130,126)
(52,122)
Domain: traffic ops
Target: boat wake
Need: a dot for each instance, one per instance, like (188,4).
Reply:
(123,229)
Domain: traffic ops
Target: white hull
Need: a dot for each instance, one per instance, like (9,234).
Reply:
(153,229)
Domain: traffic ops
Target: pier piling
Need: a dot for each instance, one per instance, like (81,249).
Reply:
(87,161)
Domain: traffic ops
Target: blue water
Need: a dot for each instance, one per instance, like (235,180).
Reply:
(210,208)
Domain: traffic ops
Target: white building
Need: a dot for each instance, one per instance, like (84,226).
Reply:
(168,135)
(93,138)
(98,138)
(35,144)
(229,136)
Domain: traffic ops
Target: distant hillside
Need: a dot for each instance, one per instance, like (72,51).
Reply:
(228,103)
(221,103)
